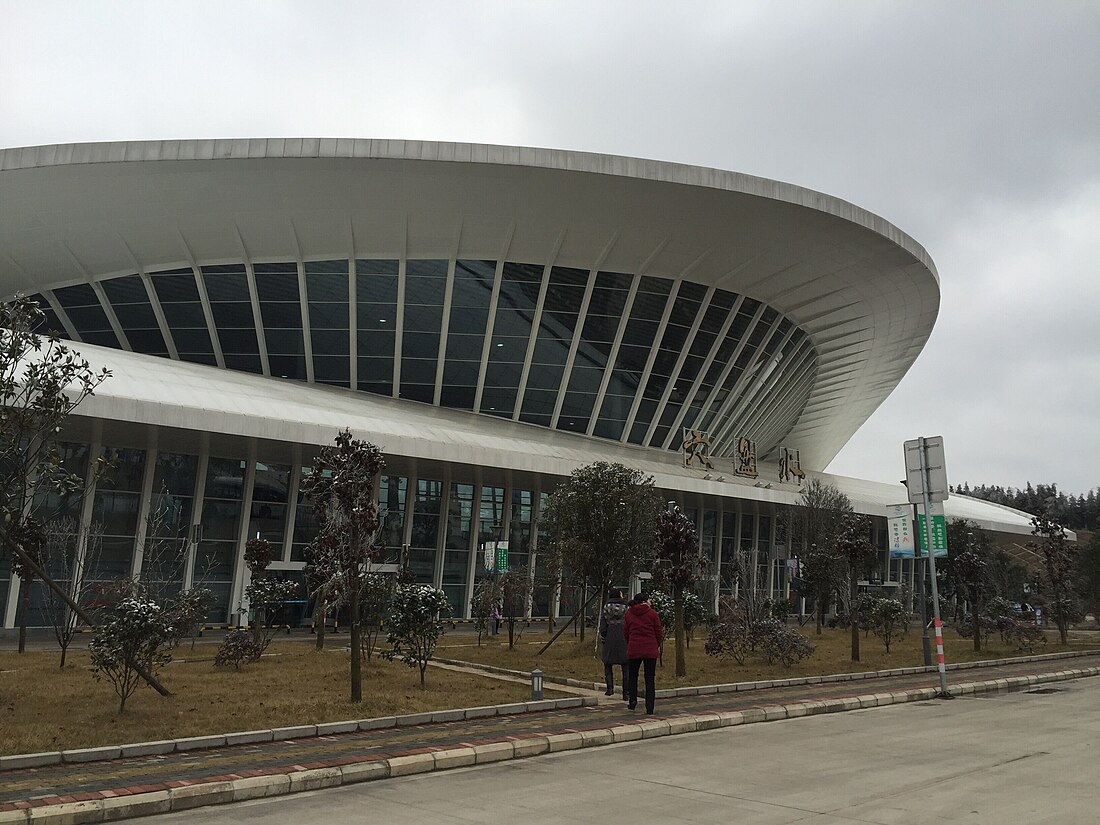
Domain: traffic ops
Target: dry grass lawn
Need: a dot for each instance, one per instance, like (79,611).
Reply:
(569,657)
(43,708)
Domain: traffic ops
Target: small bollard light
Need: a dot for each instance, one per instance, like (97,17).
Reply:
(536,684)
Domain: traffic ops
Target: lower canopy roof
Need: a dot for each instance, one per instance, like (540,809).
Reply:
(144,392)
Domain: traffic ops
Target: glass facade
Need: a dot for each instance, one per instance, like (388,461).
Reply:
(620,356)
(446,531)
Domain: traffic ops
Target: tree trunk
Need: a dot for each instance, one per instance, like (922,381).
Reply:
(24,608)
(819,616)
(853,619)
(976,623)
(319,622)
(64,650)
(678,621)
(356,649)
(584,610)
(599,618)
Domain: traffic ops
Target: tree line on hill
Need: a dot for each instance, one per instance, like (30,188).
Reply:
(1075,512)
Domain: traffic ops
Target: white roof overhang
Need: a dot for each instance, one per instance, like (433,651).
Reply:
(145,394)
(866,293)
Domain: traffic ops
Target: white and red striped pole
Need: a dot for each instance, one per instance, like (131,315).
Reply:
(939,648)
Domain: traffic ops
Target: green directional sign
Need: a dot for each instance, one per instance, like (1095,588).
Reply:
(939,532)
(502,557)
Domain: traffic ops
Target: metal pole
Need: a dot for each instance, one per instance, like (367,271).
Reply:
(922,573)
(926,482)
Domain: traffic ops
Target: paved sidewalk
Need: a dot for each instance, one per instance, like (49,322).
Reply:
(208,776)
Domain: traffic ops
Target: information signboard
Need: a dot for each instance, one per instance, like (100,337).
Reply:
(899,519)
(939,530)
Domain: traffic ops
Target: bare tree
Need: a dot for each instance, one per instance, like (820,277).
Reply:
(62,559)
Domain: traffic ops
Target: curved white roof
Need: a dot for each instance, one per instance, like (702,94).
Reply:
(865,293)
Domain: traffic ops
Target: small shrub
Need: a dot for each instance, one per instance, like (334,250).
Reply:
(1024,635)
(787,647)
(134,633)
(239,646)
(886,618)
(728,641)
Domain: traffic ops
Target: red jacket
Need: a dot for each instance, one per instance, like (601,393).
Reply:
(643,632)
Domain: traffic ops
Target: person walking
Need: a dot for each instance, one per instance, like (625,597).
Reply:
(614,643)
(644,633)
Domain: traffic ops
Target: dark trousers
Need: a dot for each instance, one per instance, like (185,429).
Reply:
(632,682)
(609,677)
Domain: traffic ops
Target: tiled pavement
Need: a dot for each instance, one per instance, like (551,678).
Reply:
(65,783)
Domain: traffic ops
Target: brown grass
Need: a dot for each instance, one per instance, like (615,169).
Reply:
(570,658)
(44,708)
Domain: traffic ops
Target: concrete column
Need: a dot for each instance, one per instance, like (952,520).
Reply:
(145,505)
(236,592)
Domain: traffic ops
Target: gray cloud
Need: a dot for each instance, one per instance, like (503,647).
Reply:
(972,126)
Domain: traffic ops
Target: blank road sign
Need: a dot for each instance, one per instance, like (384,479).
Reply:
(937,470)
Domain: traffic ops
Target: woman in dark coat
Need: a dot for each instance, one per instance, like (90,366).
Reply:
(614,643)
(644,633)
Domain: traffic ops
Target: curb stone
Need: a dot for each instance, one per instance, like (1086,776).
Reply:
(215,792)
(33,760)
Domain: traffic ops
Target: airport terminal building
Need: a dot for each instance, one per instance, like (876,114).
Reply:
(492,317)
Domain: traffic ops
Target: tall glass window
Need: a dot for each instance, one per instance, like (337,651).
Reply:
(456,559)
(82,306)
(470,297)
(115,514)
(130,302)
(62,515)
(281,311)
(727,570)
(764,554)
(686,307)
(392,495)
(544,589)
(216,555)
(715,315)
(748,539)
(490,521)
(178,297)
(520,527)
(601,324)
(327,291)
(269,505)
(425,528)
(231,306)
(642,330)
(560,314)
(519,295)
(51,323)
(376,319)
(305,522)
(425,288)
(168,541)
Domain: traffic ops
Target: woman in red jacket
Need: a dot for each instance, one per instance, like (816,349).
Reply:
(643,633)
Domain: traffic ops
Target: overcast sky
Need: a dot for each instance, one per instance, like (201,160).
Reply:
(972,126)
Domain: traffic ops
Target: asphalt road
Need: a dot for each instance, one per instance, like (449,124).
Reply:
(997,758)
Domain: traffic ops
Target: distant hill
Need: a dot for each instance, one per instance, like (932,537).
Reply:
(1077,512)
